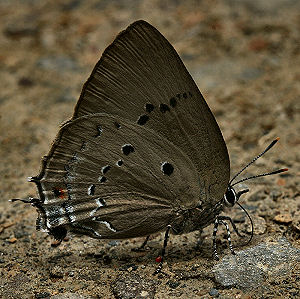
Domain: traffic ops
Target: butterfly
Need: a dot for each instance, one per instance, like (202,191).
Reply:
(142,153)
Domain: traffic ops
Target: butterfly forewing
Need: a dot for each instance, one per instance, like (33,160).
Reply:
(141,78)
(108,177)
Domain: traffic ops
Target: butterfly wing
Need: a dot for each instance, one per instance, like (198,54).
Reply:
(110,178)
(140,77)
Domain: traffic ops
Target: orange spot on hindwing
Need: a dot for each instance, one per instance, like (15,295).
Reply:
(59,192)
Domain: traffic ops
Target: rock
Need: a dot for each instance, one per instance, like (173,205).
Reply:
(12,240)
(42,295)
(25,82)
(283,218)
(113,243)
(249,268)
(133,286)
(260,225)
(296,222)
(214,292)
(275,193)
(20,30)
(56,272)
(173,284)
(21,232)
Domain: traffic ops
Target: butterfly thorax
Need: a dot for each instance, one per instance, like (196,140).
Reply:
(195,219)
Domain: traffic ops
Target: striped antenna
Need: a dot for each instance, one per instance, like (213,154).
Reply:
(261,154)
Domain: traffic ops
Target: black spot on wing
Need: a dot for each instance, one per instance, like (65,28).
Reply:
(167,168)
(102,201)
(83,146)
(149,107)
(91,189)
(99,131)
(173,102)
(105,169)
(102,179)
(127,149)
(164,108)
(143,119)
(119,163)
(117,125)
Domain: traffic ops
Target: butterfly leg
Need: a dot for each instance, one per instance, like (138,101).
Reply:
(220,220)
(145,242)
(161,260)
(215,253)
(228,236)
(232,223)
(142,247)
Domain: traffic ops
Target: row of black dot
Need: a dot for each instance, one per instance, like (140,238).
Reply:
(142,120)
(126,150)
(166,167)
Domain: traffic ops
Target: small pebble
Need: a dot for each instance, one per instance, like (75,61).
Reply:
(25,82)
(56,272)
(173,284)
(12,240)
(260,225)
(55,243)
(42,295)
(283,218)
(113,243)
(214,292)
(144,294)
(296,222)
(275,193)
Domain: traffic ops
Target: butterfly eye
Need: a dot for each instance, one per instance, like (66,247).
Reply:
(230,197)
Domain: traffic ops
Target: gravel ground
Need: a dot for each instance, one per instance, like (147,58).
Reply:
(244,56)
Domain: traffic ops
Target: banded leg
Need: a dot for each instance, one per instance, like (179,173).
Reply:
(158,269)
(232,223)
(228,236)
(215,253)
(220,220)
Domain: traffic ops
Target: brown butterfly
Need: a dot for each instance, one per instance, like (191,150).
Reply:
(142,153)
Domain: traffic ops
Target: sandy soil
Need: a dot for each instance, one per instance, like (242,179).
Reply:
(244,56)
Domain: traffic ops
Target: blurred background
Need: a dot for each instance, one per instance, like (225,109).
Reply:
(243,55)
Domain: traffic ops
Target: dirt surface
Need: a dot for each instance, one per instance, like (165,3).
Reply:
(244,56)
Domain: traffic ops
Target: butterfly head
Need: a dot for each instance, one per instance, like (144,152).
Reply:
(231,196)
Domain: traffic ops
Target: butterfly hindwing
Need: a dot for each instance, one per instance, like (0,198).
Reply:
(109,177)
(141,78)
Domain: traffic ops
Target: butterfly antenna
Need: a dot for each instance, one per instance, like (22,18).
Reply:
(260,175)
(261,154)
(252,226)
